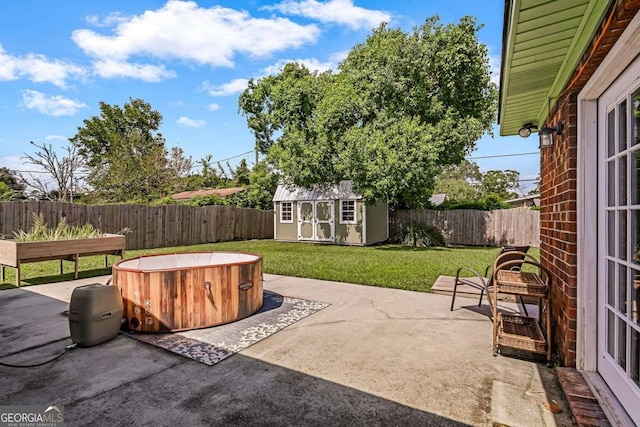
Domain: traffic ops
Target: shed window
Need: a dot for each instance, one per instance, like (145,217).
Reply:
(348,212)
(286,212)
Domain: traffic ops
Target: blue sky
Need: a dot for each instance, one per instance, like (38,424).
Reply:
(190,60)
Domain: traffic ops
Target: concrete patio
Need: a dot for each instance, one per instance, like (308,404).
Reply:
(374,357)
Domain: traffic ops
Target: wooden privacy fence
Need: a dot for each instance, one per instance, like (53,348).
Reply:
(149,226)
(474,227)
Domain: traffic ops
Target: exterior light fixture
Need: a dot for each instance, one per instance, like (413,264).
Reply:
(525,130)
(546,135)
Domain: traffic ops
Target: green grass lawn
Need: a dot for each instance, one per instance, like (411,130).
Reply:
(391,266)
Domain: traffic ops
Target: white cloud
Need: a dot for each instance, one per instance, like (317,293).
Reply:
(312,64)
(12,163)
(51,105)
(234,86)
(184,30)
(339,56)
(342,12)
(186,121)
(494,67)
(108,69)
(213,107)
(56,138)
(37,68)
(108,21)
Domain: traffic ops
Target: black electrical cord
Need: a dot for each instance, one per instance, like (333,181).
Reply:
(67,349)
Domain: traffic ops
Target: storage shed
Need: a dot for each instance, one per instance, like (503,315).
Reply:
(329,214)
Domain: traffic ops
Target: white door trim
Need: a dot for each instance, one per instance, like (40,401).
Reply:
(613,78)
(621,55)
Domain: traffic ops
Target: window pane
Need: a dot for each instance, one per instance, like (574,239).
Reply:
(611,333)
(611,182)
(611,133)
(622,344)
(622,289)
(622,231)
(622,181)
(611,283)
(622,129)
(635,235)
(636,118)
(635,177)
(634,369)
(611,233)
(635,297)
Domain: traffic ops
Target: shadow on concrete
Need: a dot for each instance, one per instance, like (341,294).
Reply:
(9,282)
(125,382)
(548,377)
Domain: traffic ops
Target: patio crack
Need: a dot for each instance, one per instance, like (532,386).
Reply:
(344,321)
(379,309)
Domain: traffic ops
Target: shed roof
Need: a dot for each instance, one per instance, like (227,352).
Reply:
(542,43)
(344,190)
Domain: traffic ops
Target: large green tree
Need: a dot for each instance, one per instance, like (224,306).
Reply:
(460,182)
(125,153)
(400,108)
(500,184)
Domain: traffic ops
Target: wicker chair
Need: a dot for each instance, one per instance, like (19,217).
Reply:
(485,282)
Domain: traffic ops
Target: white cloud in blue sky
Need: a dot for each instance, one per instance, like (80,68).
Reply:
(106,21)
(342,12)
(191,59)
(109,69)
(56,138)
(312,64)
(230,88)
(183,30)
(37,68)
(51,105)
(191,123)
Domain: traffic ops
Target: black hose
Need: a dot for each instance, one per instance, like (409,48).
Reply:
(66,350)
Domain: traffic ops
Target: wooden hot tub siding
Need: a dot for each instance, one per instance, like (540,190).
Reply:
(190,297)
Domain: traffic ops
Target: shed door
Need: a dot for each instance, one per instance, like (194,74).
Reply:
(619,232)
(316,221)
(306,215)
(324,225)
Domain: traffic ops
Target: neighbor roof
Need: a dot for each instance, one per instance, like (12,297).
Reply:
(343,191)
(542,43)
(222,192)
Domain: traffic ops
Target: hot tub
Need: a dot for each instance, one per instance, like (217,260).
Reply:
(177,292)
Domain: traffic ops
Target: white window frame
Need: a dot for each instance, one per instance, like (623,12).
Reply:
(286,221)
(342,211)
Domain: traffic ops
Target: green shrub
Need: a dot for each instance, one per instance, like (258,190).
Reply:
(63,231)
(422,236)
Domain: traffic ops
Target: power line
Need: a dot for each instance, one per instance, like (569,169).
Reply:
(224,160)
(502,155)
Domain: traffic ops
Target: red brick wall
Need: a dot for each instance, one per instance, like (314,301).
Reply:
(558,178)
(558,239)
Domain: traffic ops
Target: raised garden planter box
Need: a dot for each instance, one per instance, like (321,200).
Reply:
(13,254)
